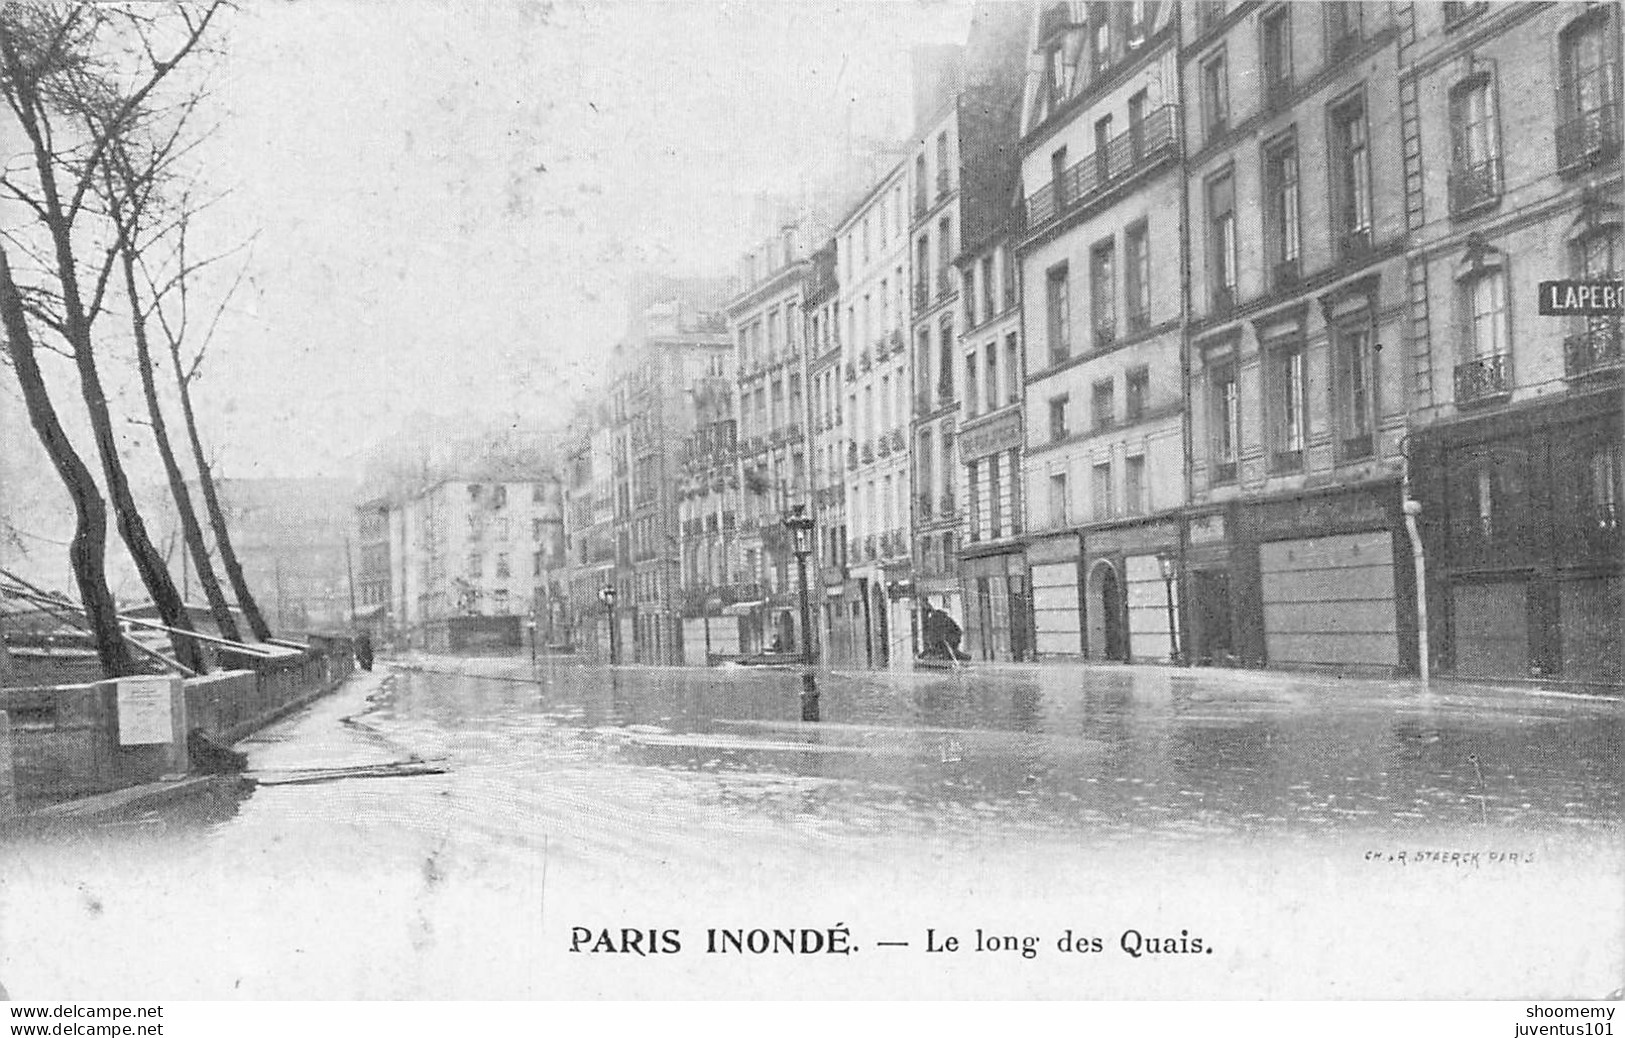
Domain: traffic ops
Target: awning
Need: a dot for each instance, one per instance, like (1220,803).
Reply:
(743,608)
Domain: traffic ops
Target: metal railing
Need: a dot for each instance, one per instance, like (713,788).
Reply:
(1597,348)
(1475,186)
(1588,138)
(1486,378)
(1136,148)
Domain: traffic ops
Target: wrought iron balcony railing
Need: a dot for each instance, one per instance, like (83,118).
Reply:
(1596,349)
(1142,145)
(1475,187)
(1484,379)
(1589,138)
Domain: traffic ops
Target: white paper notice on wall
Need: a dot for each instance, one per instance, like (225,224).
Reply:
(144,705)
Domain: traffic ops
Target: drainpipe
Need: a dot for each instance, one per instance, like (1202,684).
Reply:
(1412,509)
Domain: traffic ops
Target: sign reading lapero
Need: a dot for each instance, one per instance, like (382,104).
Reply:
(144,710)
(1582,298)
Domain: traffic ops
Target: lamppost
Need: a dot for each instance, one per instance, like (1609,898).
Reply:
(800,526)
(1167,562)
(530,626)
(606,595)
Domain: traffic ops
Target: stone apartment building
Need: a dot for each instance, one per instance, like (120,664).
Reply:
(828,451)
(1101,243)
(1511,119)
(874,614)
(766,318)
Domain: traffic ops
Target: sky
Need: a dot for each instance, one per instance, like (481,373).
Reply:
(443,202)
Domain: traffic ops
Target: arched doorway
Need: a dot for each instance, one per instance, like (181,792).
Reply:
(1105,609)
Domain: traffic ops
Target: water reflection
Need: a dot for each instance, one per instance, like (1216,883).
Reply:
(1098,750)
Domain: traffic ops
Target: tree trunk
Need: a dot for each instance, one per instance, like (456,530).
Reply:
(190,530)
(217,517)
(85,551)
(54,216)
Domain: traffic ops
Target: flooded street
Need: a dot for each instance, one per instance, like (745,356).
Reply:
(1302,827)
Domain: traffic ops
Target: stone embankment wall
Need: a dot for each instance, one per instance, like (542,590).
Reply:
(61,742)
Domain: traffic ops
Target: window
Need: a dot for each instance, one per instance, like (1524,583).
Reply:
(536,529)
(1059,312)
(945,252)
(1475,152)
(1137,393)
(1596,342)
(1604,489)
(1284,382)
(1057,419)
(1139,19)
(1277,55)
(502,565)
(1455,13)
(1487,315)
(1012,369)
(500,602)
(945,366)
(476,564)
(968,293)
(1352,159)
(972,397)
(973,503)
(1134,488)
(1282,226)
(991,366)
(1059,507)
(989,305)
(1136,125)
(1588,102)
(1102,41)
(1208,15)
(504,528)
(1102,404)
(943,180)
(1345,28)
(1356,389)
(1215,95)
(1221,217)
(1057,174)
(919,195)
(1137,276)
(993,496)
(1100,489)
(1224,422)
(1009,278)
(1103,292)
(1103,151)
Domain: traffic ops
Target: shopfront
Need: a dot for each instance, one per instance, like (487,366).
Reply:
(1128,599)
(1053,565)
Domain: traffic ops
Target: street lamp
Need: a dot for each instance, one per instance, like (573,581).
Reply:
(1167,562)
(800,525)
(606,595)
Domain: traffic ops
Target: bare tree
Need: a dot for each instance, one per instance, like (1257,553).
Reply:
(78,79)
(86,550)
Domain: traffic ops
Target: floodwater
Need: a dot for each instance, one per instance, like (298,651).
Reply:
(1323,838)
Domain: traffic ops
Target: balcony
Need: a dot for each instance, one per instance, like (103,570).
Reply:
(897,440)
(896,340)
(864,362)
(1353,243)
(947,508)
(1221,300)
(868,453)
(923,506)
(1343,45)
(945,284)
(1136,149)
(883,447)
(1277,93)
(1595,350)
(1484,380)
(1475,187)
(1588,139)
(943,183)
(922,293)
(851,372)
(869,547)
(851,455)
(1285,274)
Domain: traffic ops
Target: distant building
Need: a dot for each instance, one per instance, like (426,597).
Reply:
(828,446)
(290,536)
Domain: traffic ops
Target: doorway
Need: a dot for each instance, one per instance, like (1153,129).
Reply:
(1210,595)
(1106,613)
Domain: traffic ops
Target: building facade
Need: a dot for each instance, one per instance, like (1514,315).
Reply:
(1103,324)
(1516,453)
(871,251)
(827,443)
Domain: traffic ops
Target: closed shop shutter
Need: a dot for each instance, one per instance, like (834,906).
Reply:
(1492,629)
(1592,629)
(1148,608)
(1055,608)
(1330,600)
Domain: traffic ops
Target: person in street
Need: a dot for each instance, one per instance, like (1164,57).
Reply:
(363,650)
(940,634)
